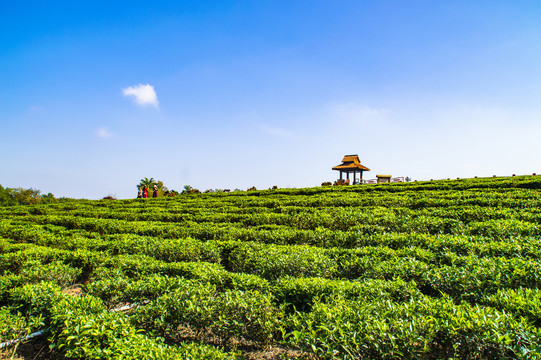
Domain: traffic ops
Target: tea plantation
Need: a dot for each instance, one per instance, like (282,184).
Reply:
(423,270)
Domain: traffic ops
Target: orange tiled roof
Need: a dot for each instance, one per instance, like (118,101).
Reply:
(351,158)
(351,162)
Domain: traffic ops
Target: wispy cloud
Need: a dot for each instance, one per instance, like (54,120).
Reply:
(142,94)
(36,108)
(351,110)
(103,133)
(275,131)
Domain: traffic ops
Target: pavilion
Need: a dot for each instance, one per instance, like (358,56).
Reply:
(351,164)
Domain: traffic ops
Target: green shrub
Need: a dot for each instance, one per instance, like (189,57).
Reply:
(35,299)
(275,261)
(341,328)
(232,313)
(14,325)
(56,271)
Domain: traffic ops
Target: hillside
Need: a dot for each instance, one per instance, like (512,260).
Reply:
(442,269)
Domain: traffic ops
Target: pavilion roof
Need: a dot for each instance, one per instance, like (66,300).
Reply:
(351,162)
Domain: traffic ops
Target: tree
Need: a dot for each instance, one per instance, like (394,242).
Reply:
(162,189)
(49,198)
(26,196)
(149,183)
(5,196)
(189,190)
(14,196)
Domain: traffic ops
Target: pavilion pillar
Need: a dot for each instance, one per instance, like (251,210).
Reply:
(340,174)
(354,176)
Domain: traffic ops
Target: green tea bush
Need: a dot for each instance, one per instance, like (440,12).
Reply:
(424,270)
(230,314)
(521,302)
(35,299)
(274,261)
(340,328)
(301,292)
(56,271)
(81,328)
(14,325)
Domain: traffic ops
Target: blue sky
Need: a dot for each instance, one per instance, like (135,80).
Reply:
(263,93)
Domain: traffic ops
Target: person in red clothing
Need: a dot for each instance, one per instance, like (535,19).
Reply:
(145,192)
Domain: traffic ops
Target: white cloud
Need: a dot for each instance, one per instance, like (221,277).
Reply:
(142,94)
(103,133)
(351,110)
(276,131)
(36,108)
